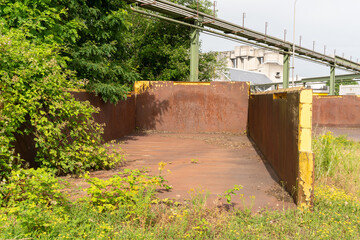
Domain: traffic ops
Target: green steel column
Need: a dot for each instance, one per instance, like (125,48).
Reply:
(194,53)
(332,80)
(286,70)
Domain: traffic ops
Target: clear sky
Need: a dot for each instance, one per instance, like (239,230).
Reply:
(334,23)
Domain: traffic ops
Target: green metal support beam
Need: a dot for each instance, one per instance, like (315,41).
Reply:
(194,52)
(332,81)
(286,70)
(176,11)
(337,78)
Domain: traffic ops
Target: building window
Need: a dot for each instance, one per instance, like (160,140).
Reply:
(277,75)
(233,62)
(261,60)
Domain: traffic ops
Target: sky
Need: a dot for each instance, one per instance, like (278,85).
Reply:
(334,23)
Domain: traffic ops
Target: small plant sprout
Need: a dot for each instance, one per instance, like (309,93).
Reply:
(231,192)
(194,160)
(161,166)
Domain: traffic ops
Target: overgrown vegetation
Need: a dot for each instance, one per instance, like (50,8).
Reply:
(160,50)
(35,104)
(90,34)
(337,162)
(50,46)
(106,45)
(126,207)
(53,216)
(37,39)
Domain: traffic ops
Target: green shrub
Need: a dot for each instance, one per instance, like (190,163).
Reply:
(32,199)
(35,102)
(130,191)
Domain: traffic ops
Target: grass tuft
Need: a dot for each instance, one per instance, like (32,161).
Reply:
(337,162)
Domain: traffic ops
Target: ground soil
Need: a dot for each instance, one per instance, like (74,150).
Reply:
(211,163)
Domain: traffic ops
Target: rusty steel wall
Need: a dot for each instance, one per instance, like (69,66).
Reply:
(275,127)
(192,107)
(336,111)
(119,119)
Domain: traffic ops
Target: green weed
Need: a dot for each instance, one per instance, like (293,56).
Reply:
(231,192)
(194,160)
(337,162)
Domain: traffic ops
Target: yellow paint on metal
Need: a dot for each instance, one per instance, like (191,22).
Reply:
(306,161)
(305,139)
(305,116)
(287,90)
(192,83)
(305,181)
(281,95)
(320,94)
(141,86)
(306,96)
(330,96)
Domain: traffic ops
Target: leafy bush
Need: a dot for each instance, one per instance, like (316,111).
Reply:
(32,197)
(130,190)
(8,159)
(35,102)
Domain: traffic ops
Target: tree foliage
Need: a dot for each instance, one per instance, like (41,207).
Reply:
(161,49)
(91,36)
(99,54)
(108,47)
(46,45)
(35,102)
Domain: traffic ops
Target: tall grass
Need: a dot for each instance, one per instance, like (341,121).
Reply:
(337,162)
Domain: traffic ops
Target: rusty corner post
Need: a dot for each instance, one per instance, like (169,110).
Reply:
(305,179)
(286,70)
(194,52)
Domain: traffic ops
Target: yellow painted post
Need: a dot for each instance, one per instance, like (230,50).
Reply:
(305,180)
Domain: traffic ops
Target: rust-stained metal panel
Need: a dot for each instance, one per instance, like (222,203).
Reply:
(25,146)
(275,126)
(192,107)
(119,119)
(336,111)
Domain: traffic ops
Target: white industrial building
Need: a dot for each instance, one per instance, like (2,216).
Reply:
(252,59)
(349,90)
